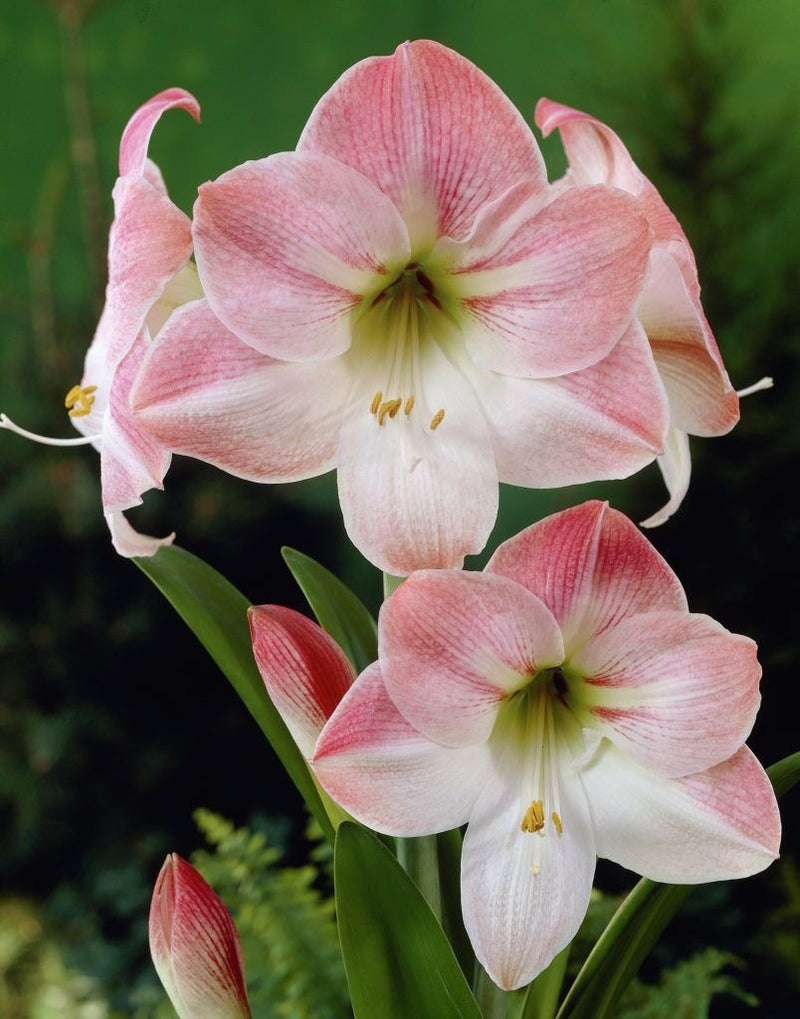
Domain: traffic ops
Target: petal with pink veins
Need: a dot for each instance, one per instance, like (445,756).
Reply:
(476,639)
(653,684)
(591,567)
(710,826)
(287,246)
(432,131)
(305,671)
(136,136)
(387,774)
(202,392)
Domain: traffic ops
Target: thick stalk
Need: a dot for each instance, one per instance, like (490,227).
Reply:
(419,858)
(492,1001)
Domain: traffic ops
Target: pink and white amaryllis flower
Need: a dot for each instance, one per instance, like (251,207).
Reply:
(702,400)
(195,946)
(148,276)
(406,299)
(564,704)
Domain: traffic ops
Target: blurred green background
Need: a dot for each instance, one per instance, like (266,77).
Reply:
(113,724)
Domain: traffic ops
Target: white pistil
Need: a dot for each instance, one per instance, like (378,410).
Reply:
(45,440)
(543,797)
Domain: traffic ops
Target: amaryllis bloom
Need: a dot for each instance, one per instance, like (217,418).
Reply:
(702,400)
(406,299)
(195,946)
(148,276)
(564,704)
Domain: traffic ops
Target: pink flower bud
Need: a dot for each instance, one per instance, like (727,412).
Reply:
(195,946)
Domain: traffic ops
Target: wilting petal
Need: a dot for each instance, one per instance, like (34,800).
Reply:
(128,542)
(476,638)
(524,894)
(387,774)
(420,489)
(710,826)
(136,136)
(654,683)
(591,567)
(432,131)
(305,671)
(606,421)
(675,465)
(195,946)
(287,246)
(702,399)
(557,295)
(204,393)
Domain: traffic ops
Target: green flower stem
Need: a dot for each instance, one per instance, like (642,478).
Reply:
(492,1001)
(419,858)
(541,998)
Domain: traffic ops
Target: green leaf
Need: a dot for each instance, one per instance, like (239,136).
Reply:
(337,609)
(216,612)
(398,961)
(636,927)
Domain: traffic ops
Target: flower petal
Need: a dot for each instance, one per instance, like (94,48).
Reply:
(714,825)
(136,136)
(524,894)
(203,392)
(591,567)
(606,421)
(128,542)
(419,489)
(432,131)
(287,247)
(702,399)
(556,295)
(388,775)
(675,465)
(453,645)
(654,684)
(305,671)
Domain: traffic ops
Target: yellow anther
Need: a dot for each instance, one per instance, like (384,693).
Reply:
(395,407)
(389,408)
(557,822)
(409,405)
(437,419)
(376,402)
(533,818)
(79,400)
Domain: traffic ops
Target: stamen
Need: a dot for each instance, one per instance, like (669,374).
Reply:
(757,387)
(376,402)
(80,399)
(533,818)
(437,419)
(557,822)
(409,405)
(44,440)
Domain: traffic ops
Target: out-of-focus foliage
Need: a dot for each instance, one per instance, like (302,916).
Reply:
(113,724)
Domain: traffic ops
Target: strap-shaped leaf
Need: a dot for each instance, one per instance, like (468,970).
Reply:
(398,961)
(636,927)
(337,609)
(216,612)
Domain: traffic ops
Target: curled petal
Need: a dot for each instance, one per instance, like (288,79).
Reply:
(675,465)
(431,131)
(591,567)
(128,542)
(710,826)
(305,671)
(386,773)
(195,946)
(453,645)
(136,136)
(287,247)
(654,684)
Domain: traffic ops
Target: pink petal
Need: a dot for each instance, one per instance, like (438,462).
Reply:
(388,775)
(557,294)
(287,247)
(195,946)
(655,683)
(418,490)
(305,671)
(702,399)
(128,542)
(714,825)
(203,392)
(606,421)
(136,136)
(432,131)
(676,468)
(524,894)
(591,567)
(453,645)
